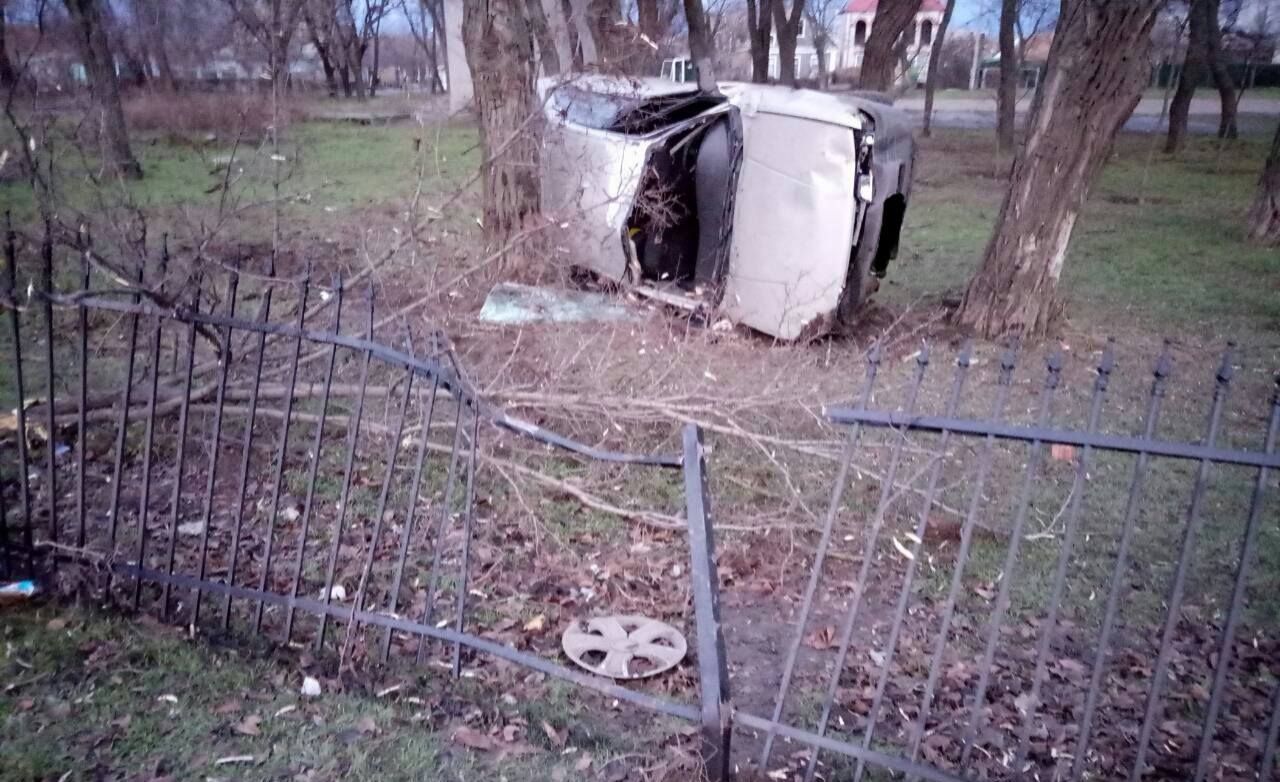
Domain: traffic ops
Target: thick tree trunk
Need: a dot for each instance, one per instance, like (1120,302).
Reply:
(820,45)
(8,76)
(880,60)
(788,28)
(1264,217)
(1097,69)
(1194,68)
(159,28)
(104,89)
(499,49)
(935,59)
(1007,91)
(1218,69)
(650,19)
(547,54)
(759,35)
(700,45)
(375,73)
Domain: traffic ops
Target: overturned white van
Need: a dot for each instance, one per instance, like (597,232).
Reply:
(775,208)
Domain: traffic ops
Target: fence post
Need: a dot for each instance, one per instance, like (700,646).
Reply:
(713,668)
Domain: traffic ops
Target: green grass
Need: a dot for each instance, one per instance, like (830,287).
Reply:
(93,695)
(1160,247)
(330,167)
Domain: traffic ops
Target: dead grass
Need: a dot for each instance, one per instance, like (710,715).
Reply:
(204,116)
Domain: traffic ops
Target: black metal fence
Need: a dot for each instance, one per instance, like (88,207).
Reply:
(1074,653)
(237,452)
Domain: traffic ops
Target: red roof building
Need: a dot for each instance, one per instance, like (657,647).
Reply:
(869,6)
(859,17)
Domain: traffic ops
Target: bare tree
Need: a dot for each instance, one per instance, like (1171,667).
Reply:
(759,35)
(1007,92)
(541,27)
(272,24)
(700,44)
(499,49)
(880,61)
(935,66)
(823,16)
(104,89)
(788,27)
(321,27)
(425,18)
(1218,69)
(1194,69)
(8,76)
(1264,217)
(1097,69)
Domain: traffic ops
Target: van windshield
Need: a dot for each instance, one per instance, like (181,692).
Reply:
(634,115)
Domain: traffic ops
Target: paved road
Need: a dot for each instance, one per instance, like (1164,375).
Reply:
(1257,115)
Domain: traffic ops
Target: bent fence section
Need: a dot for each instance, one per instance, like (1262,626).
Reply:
(239,452)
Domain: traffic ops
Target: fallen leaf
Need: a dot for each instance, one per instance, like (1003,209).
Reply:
(249,726)
(1062,453)
(191,528)
(536,624)
(510,732)
(228,707)
(56,624)
(583,763)
(367,725)
(822,638)
(557,739)
(474,739)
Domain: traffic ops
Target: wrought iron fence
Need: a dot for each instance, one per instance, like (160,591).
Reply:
(237,452)
(240,472)
(1028,678)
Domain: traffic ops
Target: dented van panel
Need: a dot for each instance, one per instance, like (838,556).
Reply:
(771,207)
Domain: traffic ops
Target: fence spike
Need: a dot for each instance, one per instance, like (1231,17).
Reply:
(122,429)
(353,441)
(921,528)
(1008,361)
(309,502)
(264,315)
(820,556)
(976,717)
(1070,533)
(1160,373)
(868,554)
(51,424)
(184,412)
(1238,595)
(468,513)
(414,487)
(1174,602)
(148,446)
(433,580)
(82,328)
(282,451)
(215,441)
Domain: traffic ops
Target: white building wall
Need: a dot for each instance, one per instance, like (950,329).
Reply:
(853,46)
